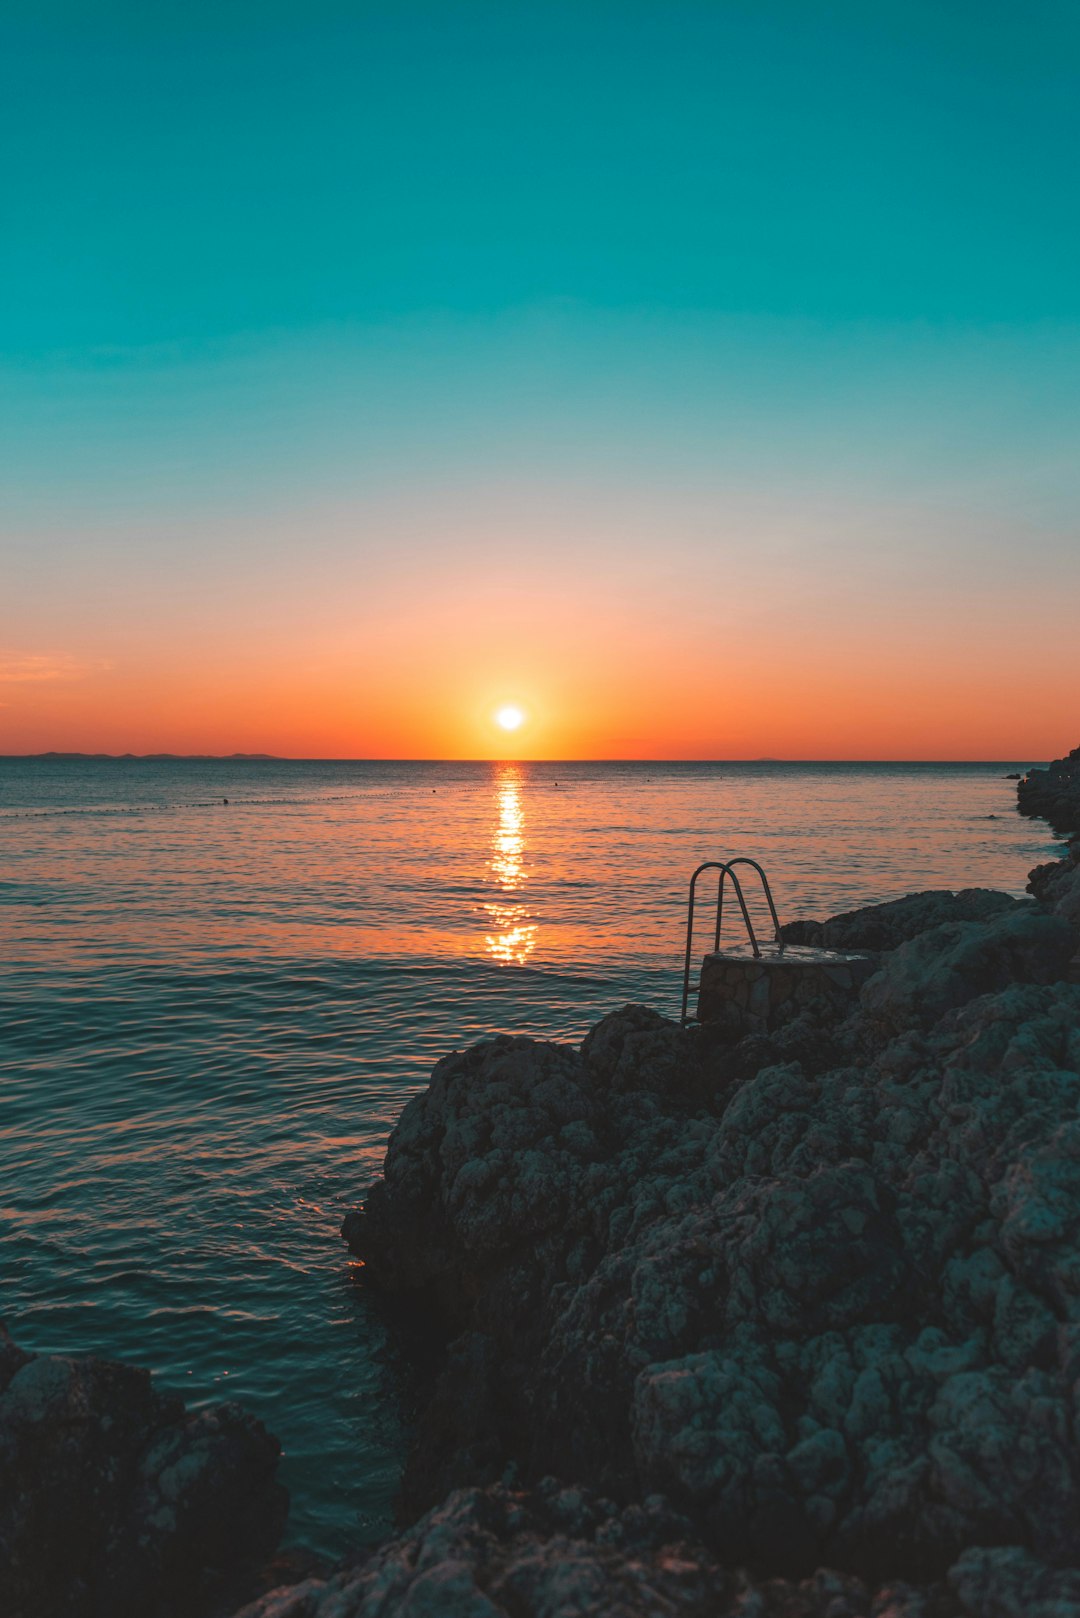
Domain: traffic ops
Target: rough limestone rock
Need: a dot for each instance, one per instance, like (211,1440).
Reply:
(886,926)
(951,964)
(1053,793)
(1057,884)
(1007,1583)
(821,1291)
(560,1553)
(115,1501)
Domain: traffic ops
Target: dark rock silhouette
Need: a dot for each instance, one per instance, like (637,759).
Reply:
(1057,884)
(506,1553)
(816,1289)
(116,1502)
(1053,793)
(885,926)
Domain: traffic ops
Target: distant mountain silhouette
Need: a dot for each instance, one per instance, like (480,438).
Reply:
(143,758)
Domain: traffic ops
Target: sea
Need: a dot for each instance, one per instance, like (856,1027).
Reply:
(221,981)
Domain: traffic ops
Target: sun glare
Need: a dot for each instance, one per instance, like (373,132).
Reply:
(509,718)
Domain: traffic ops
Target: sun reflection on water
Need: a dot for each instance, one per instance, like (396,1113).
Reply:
(514,937)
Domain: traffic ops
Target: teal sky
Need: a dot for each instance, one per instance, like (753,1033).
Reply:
(284,281)
(182,174)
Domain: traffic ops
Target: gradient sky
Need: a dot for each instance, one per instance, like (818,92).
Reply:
(704,378)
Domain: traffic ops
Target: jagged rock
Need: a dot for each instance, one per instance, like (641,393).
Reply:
(487,1553)
(949,965)
(561,1553)
(887,926)
(116,1501)
(835,1317)
(1057,884)
(819,1288)
(1054,793)
(509,1137)
(1005,1582)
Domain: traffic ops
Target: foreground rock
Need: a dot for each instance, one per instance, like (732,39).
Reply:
(820,1290)
(1057,884)
(1053,793)
(116,1501)
(559,1553)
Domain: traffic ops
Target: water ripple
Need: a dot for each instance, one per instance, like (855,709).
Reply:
(210,1023)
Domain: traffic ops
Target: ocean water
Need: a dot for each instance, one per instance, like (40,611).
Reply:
(211,1014)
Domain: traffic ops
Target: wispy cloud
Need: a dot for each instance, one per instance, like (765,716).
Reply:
(25,668)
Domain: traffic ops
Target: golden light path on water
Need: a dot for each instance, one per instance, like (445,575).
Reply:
(514,937)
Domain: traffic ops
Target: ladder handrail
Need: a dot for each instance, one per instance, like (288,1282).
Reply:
(743,859)
(725,869)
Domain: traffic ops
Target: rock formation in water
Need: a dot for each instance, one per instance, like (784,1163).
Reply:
(1057,884)
(116,1502)
(1053,793)
(816,1292)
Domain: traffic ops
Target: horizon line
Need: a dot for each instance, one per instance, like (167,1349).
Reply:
(56,754)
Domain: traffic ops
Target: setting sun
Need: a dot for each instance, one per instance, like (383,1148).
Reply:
(509,718)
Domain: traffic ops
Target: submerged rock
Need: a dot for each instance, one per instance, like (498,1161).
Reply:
(820,1291)
(116,1501)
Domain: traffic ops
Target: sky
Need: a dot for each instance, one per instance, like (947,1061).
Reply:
(702,379)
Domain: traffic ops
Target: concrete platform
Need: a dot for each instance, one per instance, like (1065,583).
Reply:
(752,993)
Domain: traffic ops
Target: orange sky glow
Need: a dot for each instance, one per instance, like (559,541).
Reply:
(682,626)
(424,676)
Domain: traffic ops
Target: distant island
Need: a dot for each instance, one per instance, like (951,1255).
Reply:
(140,758)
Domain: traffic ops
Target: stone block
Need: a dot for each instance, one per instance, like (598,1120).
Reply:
(752,993)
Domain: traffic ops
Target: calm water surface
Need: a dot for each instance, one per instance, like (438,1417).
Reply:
(211,1015)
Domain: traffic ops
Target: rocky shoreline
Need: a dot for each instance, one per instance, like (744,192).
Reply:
(786,1324)
(1053,794)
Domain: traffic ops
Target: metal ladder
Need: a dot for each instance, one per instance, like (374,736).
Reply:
(725,867)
